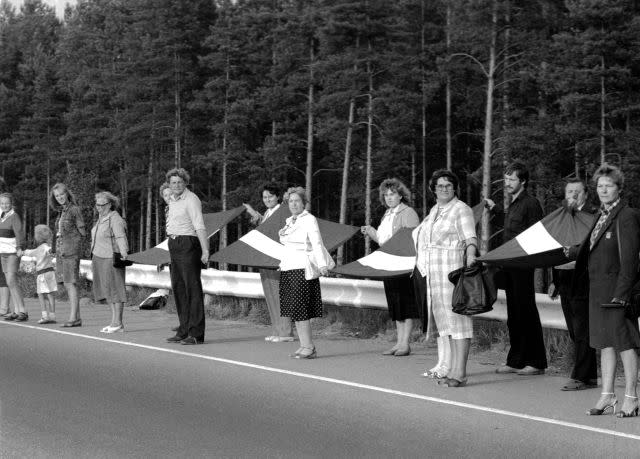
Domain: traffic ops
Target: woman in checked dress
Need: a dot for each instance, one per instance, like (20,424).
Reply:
(442,240)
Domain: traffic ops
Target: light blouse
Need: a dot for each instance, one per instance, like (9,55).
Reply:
(299,236)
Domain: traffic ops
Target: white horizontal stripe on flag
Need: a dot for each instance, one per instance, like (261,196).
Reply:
(387,261)
(264,244)
(164,245)
(537,240)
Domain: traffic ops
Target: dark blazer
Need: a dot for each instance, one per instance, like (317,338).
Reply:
(608,274)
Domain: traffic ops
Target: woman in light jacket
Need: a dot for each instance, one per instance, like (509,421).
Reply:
(300,299)
(399,292)
(109,236)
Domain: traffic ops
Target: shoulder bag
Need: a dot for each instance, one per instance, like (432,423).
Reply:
(474,291)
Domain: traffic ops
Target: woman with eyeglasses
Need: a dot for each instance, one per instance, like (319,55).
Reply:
(443,240)
(108,242)
(395,196)
(69,230)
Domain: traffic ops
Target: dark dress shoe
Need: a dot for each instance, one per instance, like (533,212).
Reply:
(190,340)
(12,316)
(175,339)
(22,317)
(73,323)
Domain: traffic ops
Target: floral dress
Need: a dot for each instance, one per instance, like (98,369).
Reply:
(440,250)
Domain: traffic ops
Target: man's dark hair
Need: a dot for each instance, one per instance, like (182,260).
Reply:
(576,180)
(521,171)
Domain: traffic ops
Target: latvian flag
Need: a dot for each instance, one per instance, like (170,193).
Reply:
(159,255)
(261,248)
(541,244)
(394,258)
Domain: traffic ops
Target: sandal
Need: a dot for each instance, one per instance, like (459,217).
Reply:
(307,353)
(452,382)
(629,414)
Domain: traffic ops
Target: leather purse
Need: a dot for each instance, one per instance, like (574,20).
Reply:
(119,262)
(475,290)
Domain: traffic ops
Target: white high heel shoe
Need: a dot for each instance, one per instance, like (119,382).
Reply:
(118,329)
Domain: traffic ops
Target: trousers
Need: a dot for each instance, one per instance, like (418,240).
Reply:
(270,279)
(523,320)
(185,252)
(576,314)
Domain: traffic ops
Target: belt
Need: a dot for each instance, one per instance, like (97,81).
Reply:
(45,270)
(176,236)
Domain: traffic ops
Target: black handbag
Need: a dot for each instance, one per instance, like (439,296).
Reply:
(631,307)
(119,262)
(475,290)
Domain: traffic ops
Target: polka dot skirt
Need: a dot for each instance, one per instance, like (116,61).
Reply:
(300,299)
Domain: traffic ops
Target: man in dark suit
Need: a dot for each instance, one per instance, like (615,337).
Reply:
(527,355)
(575,303)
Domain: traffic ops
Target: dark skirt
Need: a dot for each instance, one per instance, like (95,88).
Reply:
(401,300)
(300,299)
(608,327)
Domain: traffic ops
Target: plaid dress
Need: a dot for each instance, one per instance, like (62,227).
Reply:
(440,250)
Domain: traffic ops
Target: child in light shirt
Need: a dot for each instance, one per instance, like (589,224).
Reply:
(46,276)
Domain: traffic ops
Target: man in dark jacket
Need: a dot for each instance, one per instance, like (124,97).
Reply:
(575,303)
(527,355)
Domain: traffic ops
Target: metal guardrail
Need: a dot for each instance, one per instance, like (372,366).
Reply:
(365,294)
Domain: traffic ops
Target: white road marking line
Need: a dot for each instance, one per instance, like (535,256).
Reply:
(342,382)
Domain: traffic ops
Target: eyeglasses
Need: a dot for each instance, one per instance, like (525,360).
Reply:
(102,205)
(444,187)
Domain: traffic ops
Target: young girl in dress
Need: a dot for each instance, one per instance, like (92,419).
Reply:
(46,276)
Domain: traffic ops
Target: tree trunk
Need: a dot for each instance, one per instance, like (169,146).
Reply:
(448,91)
(423,107)
(158,230)
(603,120)
(177,112)
(345,175)
(506,154)
(147,241)
(225,140)
(367,198)
(310,121)
(488,125)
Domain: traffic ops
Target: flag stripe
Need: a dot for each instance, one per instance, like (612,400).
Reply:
(264,244)
(537,239)
(388,262)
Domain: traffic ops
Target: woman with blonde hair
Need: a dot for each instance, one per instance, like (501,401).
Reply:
(69,230)
(395,196)
(109,250)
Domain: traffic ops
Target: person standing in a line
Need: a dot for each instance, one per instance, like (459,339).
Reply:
(282,330)
(70,230)
(401,302)
(189,250)
(11,246)
(575,304)
(527,355)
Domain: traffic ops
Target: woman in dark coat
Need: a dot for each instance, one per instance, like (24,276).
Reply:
(608,261)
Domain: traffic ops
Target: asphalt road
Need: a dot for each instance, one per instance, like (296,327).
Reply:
(79,393)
